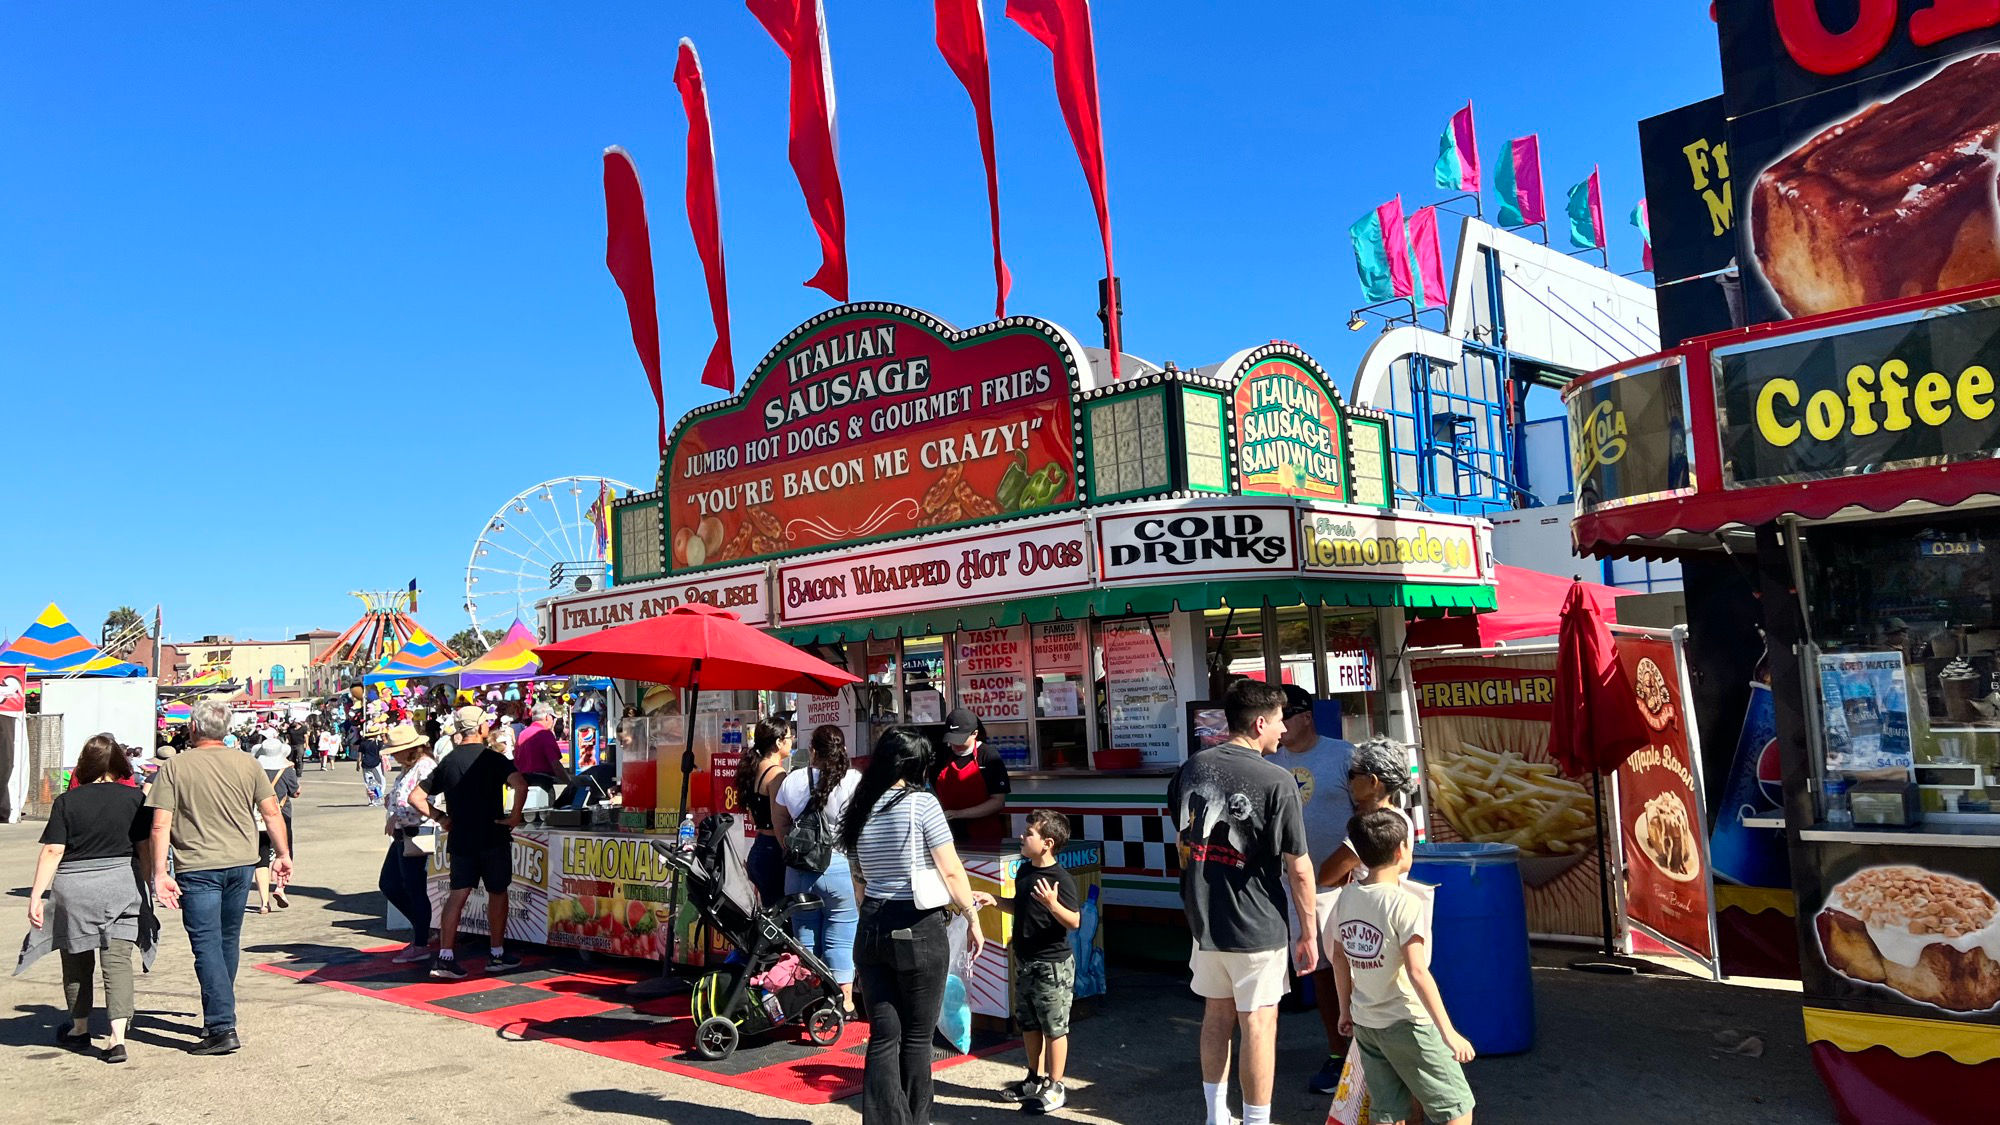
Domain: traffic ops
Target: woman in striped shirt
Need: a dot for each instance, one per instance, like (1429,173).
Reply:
(897,835)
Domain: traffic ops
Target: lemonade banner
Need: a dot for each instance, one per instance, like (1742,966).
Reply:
(1484,726)
(577,890)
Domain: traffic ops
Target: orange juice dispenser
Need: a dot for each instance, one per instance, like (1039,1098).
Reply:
(669,742)
(638,773)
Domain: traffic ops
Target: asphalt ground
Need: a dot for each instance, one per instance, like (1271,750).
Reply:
(1634,1049)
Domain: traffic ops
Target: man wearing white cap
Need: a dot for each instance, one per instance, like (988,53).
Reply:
(479,842)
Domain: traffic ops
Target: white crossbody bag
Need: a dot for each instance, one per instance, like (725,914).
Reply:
(927,887)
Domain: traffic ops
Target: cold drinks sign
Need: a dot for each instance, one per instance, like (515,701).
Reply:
(875,420)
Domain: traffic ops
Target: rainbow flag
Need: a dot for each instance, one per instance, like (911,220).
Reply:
(600,522)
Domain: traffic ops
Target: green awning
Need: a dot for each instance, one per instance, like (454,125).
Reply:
(1416,599)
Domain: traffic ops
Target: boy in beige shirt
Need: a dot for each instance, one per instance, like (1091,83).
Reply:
(1388,999)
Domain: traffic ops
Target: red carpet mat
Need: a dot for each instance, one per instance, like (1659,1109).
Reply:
(563,1001)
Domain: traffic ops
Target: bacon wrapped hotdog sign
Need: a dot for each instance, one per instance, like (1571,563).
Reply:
(874,420)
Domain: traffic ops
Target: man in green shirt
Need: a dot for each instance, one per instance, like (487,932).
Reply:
(205,802)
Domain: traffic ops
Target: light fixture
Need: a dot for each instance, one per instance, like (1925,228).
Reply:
(1356,323)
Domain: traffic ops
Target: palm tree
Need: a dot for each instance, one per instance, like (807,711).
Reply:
(118,621)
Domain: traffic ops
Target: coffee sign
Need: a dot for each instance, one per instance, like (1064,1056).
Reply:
(875,420)
(1196,543)
(1291,433)
(1628,436)
(1026,559)
(1896,392)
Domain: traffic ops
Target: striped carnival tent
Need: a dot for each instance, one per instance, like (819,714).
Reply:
(419,658)
(513,658)
(53,647)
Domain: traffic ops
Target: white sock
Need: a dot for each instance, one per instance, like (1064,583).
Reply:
(447,955)
(494,950)
(1256,1114)
(1216,1094)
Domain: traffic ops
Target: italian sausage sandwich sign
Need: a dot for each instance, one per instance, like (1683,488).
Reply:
(873,420)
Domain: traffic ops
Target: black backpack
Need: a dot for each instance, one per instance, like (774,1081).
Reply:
(809,845)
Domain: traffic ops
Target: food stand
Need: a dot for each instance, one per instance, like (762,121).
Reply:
(1847,461)
(980,518)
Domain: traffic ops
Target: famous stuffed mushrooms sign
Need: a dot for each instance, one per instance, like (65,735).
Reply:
(875,420)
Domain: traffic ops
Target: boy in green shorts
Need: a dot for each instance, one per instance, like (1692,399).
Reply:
(1045,911)
(1388,999)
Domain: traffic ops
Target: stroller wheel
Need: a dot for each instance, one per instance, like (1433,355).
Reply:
(715,1038)
(824,1025)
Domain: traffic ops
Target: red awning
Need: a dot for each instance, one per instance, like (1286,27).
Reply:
(1530,605)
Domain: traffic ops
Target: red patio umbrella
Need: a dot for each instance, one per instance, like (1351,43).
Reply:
(1597,724)
(694,646)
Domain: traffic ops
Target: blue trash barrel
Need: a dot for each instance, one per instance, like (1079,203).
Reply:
(1479,942)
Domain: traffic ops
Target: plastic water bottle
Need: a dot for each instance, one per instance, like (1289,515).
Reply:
(687,834)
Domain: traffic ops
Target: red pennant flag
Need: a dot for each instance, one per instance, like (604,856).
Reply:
(1396,244)
(1430,258)
(961,36)
(799,27)
(1063,26)
(628,253)
(704,204)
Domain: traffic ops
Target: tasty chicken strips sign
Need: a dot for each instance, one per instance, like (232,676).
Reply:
(875,420)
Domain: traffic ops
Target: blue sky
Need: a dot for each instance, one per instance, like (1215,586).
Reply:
(293,297)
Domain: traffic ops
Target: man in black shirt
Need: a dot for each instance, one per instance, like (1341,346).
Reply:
(1242,839)
(480,845)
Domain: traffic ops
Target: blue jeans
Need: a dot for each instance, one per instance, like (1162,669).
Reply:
(403,883)
(828,931)
(212,905)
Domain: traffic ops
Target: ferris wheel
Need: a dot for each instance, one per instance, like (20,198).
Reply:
(548,539)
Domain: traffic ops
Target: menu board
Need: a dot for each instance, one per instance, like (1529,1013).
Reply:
(992,667)
(825,710)
(1139,683)
(1667,885)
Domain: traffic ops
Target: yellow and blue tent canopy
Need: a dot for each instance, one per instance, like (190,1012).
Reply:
(53,647)
(420,657)
(513,658)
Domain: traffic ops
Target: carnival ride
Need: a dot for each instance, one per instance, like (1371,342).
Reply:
(533,547)
(386,626)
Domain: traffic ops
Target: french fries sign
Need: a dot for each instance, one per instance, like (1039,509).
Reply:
(1484,728)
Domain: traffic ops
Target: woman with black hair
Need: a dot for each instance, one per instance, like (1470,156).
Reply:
(758,773)
(807,813)
(907,872)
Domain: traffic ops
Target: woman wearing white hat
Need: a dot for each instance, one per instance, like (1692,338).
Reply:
(403,869)
(275,759)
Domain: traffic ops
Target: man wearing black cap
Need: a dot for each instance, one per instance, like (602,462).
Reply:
(971,783)
(1319,765)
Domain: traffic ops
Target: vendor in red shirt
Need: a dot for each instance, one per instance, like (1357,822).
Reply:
(971,783)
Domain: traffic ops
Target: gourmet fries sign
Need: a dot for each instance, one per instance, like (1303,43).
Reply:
(873,420)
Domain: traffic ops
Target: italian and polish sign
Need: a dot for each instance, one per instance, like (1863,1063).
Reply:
(742,592)
(1029,558)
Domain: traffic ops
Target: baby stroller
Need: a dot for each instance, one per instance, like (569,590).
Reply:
(777,981)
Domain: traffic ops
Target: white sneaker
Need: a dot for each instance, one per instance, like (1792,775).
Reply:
(412,955)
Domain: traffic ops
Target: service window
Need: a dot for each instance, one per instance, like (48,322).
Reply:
(1064,697)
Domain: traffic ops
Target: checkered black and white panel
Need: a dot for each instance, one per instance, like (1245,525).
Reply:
(1135,842)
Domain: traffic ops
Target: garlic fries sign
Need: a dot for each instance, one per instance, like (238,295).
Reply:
(1484,724)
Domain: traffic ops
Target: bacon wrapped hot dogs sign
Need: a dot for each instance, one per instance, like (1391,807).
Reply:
(874,420)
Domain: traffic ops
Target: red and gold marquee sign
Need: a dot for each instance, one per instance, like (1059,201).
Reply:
(873,420)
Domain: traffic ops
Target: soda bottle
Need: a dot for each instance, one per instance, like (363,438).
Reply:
(687,834)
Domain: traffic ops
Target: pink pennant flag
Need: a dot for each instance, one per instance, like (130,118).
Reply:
(1430,259)
(1397,246)
(1527,153)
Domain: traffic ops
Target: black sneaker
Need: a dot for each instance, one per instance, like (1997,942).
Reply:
(1048,1099)
(115,1053)
(220,1043)
(447,968)
(1328,1078)
(503,961)
(1024,1089)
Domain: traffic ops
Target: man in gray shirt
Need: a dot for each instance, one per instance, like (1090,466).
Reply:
(1319,765)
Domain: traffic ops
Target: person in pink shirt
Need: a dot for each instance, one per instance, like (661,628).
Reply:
(537,756)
